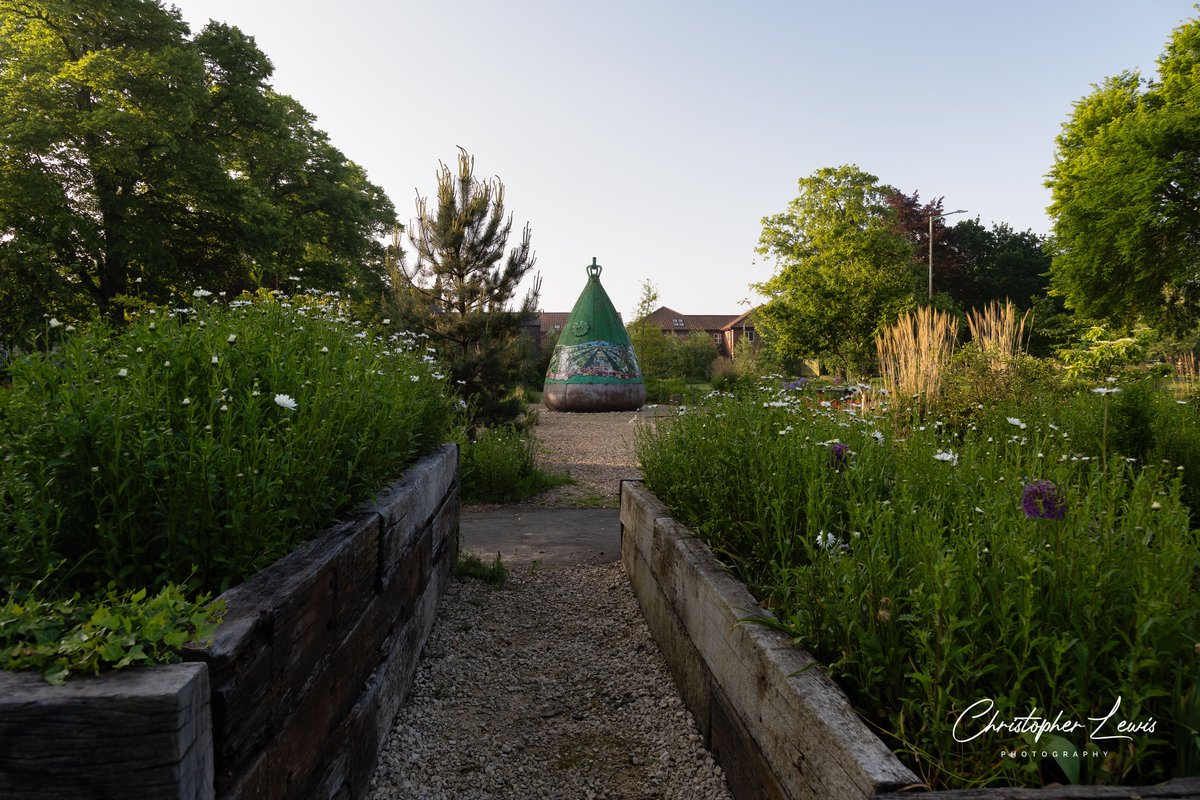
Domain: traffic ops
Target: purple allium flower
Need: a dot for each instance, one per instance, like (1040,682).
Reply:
(839,455)
(796,385)
(1042,500)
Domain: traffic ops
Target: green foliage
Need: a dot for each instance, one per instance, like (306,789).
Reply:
(663,391)
(1140,420)
(844,270)
(137,161)
(913,573)
(1125,189)
(743,371)
(998,264)
(535,361)
(500,466)
(113,631)
(691,357)
(169,452)
(654,349)
(472,566)
(1099,352)
(458,291)
(974,378)
(648,340)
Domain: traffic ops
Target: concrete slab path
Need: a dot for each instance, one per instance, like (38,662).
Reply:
(524,534)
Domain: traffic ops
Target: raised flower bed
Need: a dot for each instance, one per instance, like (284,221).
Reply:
(293,698)
(778,725)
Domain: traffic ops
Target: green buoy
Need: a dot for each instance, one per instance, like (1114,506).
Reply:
(593,366)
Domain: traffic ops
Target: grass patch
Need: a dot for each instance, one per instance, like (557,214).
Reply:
(499,466)
(472,566)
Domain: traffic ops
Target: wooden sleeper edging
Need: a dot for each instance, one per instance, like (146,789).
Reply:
(779,727)
(295,696)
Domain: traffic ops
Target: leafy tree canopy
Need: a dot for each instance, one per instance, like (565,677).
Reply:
(843,269)
(913,223)
(1126,194)
(138,161)
(999,264)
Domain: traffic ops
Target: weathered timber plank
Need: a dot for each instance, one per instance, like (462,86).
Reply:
(746,771)
(1179,789)
(396,674)
(132,733)
(246,711)
(366,646)
(803,721)
(293,755)
(407,505)
(253,780)
(691,676)
(639,510)
(356,567)
(444,525)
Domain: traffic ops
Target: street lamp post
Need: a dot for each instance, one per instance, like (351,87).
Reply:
(932,217)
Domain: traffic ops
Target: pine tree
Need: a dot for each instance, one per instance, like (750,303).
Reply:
(458,291)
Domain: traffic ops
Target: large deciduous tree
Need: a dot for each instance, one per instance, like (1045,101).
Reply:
(999,264)
(913,223)
(1126,194)
(843,269)
(136,159)
(458,291)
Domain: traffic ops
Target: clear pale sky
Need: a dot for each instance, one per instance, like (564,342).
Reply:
(655,135)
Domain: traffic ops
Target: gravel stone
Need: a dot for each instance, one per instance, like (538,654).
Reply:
(595,449)
(550,686)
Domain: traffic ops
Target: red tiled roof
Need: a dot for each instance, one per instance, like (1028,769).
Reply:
(740,320)
(547,320)
(668,319)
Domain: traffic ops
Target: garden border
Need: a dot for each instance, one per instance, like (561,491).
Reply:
(295,696)
(779,727)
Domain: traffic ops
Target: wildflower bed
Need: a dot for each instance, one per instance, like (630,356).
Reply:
(956,580)
(182,455)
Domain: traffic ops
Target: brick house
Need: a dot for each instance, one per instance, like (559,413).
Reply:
(725,330)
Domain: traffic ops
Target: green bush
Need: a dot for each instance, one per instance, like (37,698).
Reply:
(665,390)
(1139,418)
(975,386)
(500,466)
(113,631)
(930,567)
(197,446)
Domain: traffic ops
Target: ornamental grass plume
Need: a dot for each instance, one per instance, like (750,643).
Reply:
(1042,500)
(915,352)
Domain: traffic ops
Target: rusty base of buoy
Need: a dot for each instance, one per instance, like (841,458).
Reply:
(594,396)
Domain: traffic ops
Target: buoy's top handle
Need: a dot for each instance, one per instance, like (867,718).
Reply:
(593,269)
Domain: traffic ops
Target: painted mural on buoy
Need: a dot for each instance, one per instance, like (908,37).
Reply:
(593,366)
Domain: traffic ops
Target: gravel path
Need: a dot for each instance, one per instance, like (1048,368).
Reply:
(594,449)
(550,686)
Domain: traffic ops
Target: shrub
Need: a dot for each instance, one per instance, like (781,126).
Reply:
(500,466)
(665,390)
(976,386)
